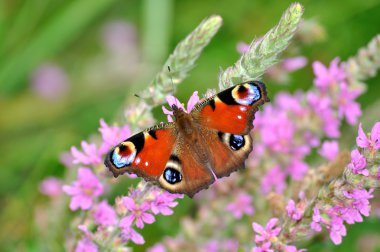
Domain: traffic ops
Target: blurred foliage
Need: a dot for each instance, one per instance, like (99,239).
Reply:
(34,131)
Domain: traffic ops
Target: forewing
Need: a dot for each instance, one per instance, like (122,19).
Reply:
(144,154)
(232,110)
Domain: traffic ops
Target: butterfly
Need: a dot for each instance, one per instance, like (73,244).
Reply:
(188,154)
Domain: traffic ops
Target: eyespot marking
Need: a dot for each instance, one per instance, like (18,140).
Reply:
(236,142)
(246,94)
(124,154)
(175,159)
(172,176)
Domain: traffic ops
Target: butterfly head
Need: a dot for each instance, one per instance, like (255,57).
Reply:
(178,112)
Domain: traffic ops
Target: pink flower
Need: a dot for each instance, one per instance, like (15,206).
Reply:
(86,245)
(347,106)
(112,135)
(361,200)
(278,139)
(267,234)
(194,99)
(163,202)
(104,214)
(84,189)
(295,211)
(337,230)
(293,64)
(288,102)
(317,219)
(90,155)
(331,123)
(373,142)
(274,179)
(241,205)
(358,163)
(263,248)
(51,186)
(50,81)
(137,212)
(329,150)
(321,104)
(128,233)
(318,102)
(328,77)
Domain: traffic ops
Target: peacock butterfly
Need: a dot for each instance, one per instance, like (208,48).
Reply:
(186,155)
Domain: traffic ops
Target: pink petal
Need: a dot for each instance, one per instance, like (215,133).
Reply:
(257,228)
(353,113)
(139,223)
(129,203)
(361,139)
(170,119)
(295,63)
(147,218)
(336,238)
(70,190)
(74,204)
(271,223)
(375,135)
(85,202)
(166,211)
(167,111)
(276,231)
(136,237)
(194,99)
(174,101)
(127,221)
(319,69)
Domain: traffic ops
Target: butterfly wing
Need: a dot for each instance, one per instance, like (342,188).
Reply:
(227,118)
(232,110)
(144,154)
(160,154)
(228,152)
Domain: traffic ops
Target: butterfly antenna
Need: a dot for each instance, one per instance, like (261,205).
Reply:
(171,78)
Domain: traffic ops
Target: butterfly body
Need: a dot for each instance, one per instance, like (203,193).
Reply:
(186,155)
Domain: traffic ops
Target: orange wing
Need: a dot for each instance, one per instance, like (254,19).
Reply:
(232,110)
(144,154)
(228,152)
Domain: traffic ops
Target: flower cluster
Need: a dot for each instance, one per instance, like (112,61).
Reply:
(290,127)
(345,200)
(266,239)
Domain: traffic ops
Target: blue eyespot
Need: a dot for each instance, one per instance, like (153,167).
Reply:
(120,161)
(236,142)
(172,176)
